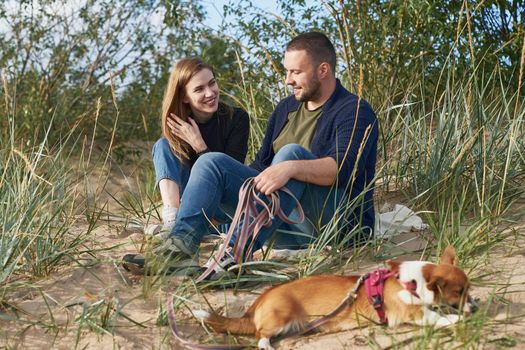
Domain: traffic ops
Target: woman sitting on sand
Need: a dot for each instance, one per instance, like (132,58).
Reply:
(193,122)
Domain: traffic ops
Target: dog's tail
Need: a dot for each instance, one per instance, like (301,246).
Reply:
(221,324)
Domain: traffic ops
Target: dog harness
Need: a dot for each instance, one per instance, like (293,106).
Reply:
(375,291)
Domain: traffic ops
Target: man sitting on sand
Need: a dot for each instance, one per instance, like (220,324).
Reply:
(320,143)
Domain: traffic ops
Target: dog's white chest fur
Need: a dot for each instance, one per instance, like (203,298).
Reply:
(412,271)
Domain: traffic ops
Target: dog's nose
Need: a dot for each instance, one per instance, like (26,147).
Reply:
(471,306)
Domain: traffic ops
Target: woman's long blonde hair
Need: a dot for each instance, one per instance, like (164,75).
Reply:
(181,74)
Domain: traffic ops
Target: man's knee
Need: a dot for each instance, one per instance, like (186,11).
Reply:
(292,151)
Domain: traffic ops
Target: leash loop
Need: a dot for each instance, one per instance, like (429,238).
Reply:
(249,221)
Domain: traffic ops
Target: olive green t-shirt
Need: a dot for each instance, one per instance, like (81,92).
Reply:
(299,129)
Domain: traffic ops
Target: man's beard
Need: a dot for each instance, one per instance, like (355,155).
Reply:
(310,92)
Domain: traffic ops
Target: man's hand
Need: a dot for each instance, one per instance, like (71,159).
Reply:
(274,177)
(187,131)
(322,172)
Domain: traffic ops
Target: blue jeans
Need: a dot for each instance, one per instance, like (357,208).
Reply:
(168,166)
(214,185)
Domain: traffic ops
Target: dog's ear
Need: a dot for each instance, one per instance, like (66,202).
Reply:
(436,284)
(394,265)
(449,256)
(434,280)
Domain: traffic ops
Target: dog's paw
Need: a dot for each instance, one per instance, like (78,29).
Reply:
(432,318)
(264,344)
(447,320)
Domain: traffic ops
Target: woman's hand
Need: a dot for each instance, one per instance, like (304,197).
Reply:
(187,131)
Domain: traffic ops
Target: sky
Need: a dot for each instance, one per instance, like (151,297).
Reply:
(214,9)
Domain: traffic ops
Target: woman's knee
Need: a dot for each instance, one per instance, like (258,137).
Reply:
(162,145)
(211,161)
(292,151)
(167,165)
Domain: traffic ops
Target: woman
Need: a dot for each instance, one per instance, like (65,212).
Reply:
(193,122)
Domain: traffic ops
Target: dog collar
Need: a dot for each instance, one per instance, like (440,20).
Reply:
(375,288)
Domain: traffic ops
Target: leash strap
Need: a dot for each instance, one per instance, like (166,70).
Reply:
(309,327)
(374,278)
(249,221)
(344,304)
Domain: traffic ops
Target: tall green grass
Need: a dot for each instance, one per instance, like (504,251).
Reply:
(460,158)
(453,147)
(38,201)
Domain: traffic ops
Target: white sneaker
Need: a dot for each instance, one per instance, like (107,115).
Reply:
(159,230)
(168,216)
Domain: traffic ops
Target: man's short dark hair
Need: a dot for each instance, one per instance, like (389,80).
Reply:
(317,45)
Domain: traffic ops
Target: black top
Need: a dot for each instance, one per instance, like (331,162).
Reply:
(227,131)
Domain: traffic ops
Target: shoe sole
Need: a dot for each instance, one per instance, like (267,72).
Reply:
(135,264)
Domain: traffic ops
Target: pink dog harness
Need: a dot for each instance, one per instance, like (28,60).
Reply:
(375,290)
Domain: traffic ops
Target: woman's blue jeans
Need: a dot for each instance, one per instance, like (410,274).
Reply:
(214,184)
(168,166)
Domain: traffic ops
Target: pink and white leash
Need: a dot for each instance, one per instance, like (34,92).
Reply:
(249,221)
(252,222)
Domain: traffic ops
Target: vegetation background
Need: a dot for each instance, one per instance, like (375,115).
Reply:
(82,84)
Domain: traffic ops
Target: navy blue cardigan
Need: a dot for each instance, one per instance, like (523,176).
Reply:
(347,131)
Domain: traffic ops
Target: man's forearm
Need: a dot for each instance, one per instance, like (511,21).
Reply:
(322,172)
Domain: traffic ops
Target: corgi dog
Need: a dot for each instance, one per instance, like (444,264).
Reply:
(409,290)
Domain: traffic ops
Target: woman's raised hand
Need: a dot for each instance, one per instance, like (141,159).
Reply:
(187,131)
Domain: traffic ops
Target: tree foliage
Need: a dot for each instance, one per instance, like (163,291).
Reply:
(68,60)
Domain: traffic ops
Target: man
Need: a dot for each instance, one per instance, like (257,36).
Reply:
(320,143)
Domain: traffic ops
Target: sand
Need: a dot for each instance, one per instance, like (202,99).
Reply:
(56,311)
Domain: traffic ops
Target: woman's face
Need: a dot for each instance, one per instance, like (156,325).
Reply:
(202,94)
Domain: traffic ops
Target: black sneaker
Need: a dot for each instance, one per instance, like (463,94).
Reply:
(222,267)
(172,256)
(174,247)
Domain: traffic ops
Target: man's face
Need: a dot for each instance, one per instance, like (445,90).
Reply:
(301,75)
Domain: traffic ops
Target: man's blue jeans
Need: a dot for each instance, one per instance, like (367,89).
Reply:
(214,185)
